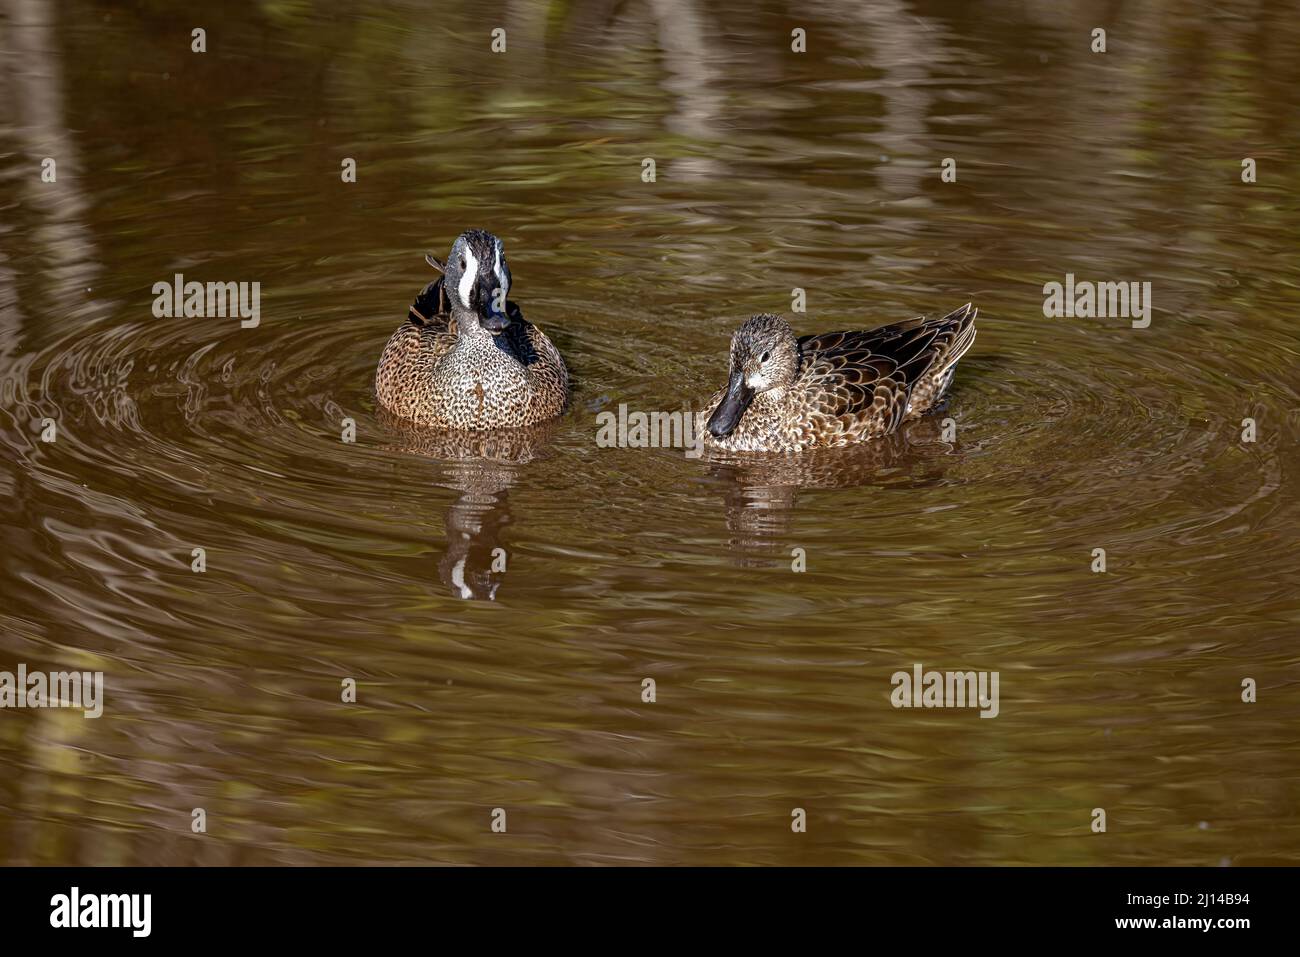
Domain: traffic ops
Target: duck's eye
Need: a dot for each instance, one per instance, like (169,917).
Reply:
(764,357)
(462,263)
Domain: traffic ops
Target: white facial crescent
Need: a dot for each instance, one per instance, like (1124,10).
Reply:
(502,283)
(470,274)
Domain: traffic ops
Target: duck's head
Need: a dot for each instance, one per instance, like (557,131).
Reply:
(477,280)
(764,358)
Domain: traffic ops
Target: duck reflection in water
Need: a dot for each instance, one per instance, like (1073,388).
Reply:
(760,490)
(482,467)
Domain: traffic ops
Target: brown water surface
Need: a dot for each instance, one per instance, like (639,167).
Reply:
(483,687)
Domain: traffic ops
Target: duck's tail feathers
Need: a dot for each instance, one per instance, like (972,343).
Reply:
(959,329)
(961,323)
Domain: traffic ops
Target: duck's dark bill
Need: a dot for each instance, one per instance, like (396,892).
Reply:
(494,321)
(727,415)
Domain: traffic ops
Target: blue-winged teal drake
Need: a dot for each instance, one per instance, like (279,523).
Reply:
(465,358)
(835,389)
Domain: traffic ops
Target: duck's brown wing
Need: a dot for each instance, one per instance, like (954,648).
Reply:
(871,374)
(431,309)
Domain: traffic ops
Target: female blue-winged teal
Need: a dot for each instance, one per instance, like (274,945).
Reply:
(835,389)
(465,358)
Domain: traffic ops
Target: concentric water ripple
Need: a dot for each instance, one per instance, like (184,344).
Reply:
(501,599)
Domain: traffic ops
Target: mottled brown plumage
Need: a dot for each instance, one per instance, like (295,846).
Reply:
(466,358)
(834,389)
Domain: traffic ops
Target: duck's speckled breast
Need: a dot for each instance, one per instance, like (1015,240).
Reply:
(432,376)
